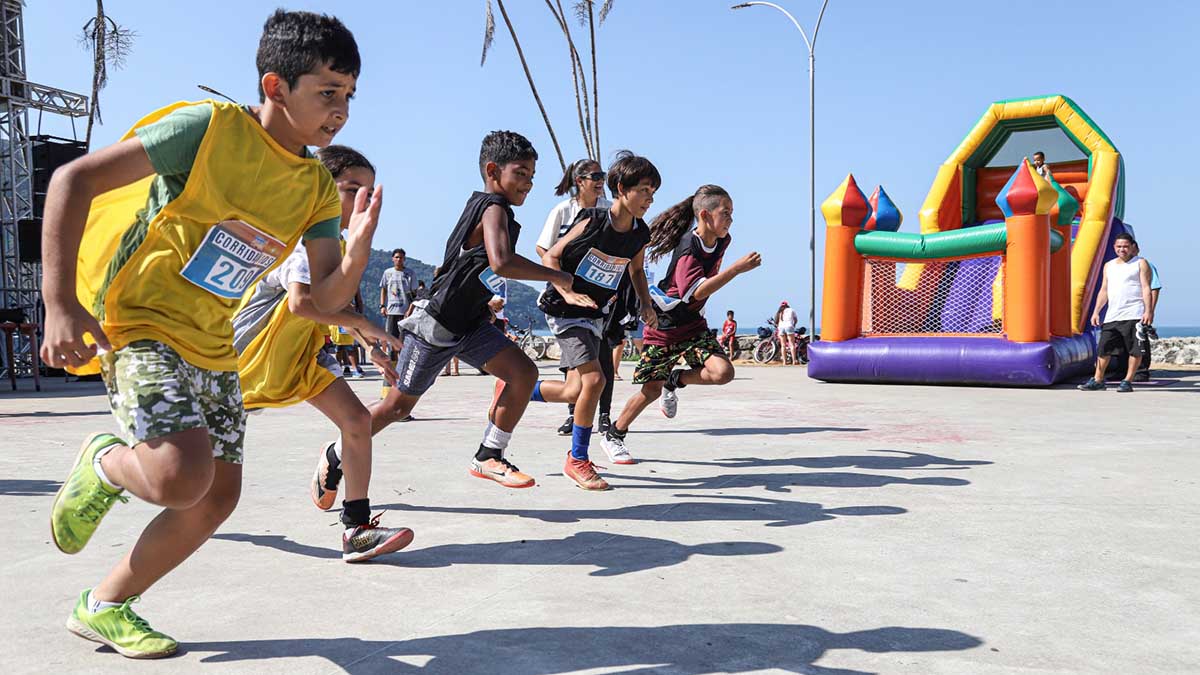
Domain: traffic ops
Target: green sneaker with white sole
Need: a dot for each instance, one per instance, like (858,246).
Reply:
(120,628)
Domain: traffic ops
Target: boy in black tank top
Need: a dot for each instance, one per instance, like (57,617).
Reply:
(600,250)
(480,254)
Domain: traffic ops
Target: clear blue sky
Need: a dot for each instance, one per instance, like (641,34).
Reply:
(711,96)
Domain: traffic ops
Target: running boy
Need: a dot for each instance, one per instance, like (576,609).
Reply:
(601,247)
(189,209)
(693,275)
(278,333)
(480,254)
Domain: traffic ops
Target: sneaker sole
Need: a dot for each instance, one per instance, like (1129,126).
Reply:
(316,481)
(87,443)
(583,487)
(81,629)
(479,474)
(402,538)
(622,462)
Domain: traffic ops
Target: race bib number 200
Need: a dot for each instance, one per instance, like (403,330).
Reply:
(232,255)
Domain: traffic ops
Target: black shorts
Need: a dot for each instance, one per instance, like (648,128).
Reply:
(420,363)
(393,324)
(1119,338)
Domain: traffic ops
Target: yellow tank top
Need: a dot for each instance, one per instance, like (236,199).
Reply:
(246,203)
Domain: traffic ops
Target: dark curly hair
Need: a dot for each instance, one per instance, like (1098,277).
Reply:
(502,147)
(297,43)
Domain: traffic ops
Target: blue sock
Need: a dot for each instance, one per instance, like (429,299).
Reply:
(537,392)
(581,438)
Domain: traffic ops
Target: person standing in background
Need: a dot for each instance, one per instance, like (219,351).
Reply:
(396,288)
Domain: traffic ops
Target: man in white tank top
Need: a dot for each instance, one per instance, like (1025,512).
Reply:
(1126,291)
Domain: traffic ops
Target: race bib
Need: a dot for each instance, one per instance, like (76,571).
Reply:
(663,301)
(497,284)
(342,330)
(602,269)
(232,255)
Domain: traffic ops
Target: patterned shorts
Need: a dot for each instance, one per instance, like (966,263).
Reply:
(153,393)
(657,360)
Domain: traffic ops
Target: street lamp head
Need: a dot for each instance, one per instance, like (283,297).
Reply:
(743,5)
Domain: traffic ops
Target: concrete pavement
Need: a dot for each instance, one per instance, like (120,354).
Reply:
(777,525)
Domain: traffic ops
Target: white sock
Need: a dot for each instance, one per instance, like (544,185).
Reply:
(95,605)
(100,469)
(337,448)
(496,438)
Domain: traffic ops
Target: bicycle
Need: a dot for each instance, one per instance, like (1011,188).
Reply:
(768,347)
(534,346)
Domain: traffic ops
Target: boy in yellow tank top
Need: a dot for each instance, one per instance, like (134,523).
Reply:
(279,336)
(149,245)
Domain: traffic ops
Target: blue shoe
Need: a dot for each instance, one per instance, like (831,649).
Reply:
(1125,387)
(1091,385)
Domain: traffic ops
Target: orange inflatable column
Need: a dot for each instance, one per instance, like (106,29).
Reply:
(1061,215)
(1026,202)
(845,212)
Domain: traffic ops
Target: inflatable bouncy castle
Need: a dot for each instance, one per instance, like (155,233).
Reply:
(998,286)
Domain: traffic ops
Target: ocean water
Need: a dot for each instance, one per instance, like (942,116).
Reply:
(1178,331)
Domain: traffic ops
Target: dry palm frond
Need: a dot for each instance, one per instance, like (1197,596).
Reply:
(110,44)
(605,9)
(489,32)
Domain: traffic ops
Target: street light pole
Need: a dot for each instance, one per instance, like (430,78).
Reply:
(812,155)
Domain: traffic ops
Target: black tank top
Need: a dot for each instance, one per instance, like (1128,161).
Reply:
(598,259)
(465,283)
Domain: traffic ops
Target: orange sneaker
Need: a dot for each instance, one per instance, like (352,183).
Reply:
(501,471)
(583,472)
(499,389)
(324,486)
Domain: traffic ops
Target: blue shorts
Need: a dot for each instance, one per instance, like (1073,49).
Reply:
(420,363)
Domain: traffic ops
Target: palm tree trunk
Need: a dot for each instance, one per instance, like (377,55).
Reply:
(595,82)
(98,67)
(576,72)
(532,87)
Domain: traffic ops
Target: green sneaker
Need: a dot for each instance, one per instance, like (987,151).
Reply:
(83,499)
(120,628)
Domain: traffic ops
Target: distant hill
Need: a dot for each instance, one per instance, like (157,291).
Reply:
(522,299)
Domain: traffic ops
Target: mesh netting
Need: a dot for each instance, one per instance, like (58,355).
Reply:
(963,297)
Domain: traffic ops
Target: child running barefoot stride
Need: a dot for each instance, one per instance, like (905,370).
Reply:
(601,247)
(480,254)
(694,274)
(278,333)
(149,244)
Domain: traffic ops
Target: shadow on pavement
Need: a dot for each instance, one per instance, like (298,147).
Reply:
(898,460)
(718,508)
(46,413)
(614,554)
(20,487)
(751,431)
(779,482)
(691,649)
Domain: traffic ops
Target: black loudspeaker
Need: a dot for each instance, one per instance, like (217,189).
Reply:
(29,240)
(49,153)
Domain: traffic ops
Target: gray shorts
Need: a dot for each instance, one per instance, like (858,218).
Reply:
(578,345)
(420,363)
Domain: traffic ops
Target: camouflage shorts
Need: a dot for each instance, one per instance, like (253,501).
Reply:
(153,392)
(657,361)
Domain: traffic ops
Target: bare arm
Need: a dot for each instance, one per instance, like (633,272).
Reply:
(72,189)
(1147,295)
(507,263)
(637,276)
(335,277)
(1101,298)
(553,257)
(716,282)
(383,294)
(300,303)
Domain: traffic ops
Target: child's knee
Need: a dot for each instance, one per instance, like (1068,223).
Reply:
(723,374)
(180,485)
(593,381)
(652,390)
(356,422)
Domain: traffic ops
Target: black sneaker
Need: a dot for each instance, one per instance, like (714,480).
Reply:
(1091,385)
(566,428)
(1125,387)
(605,423)
(368,541)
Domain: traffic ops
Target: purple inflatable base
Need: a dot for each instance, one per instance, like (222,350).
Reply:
(952,360)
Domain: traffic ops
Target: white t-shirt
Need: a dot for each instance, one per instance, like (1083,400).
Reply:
(1124,290)
(562,216)
(788,318)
